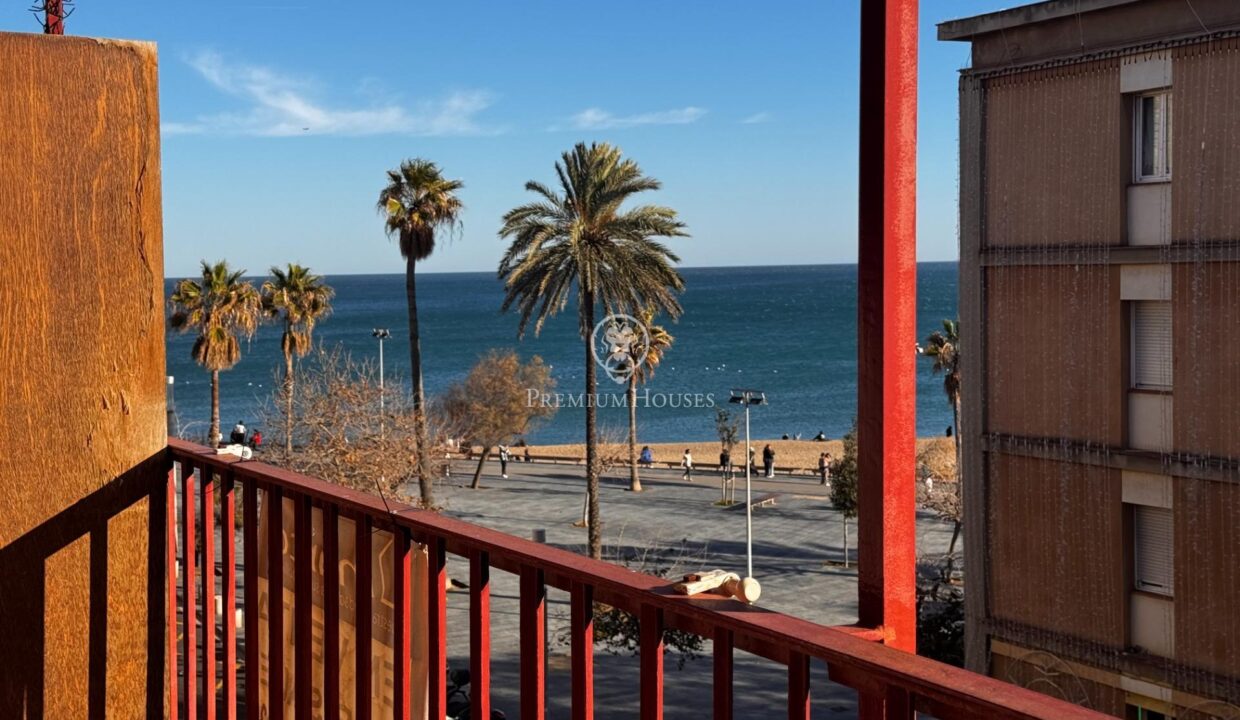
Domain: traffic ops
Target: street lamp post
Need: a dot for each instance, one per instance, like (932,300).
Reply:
(747,398)
(381,334)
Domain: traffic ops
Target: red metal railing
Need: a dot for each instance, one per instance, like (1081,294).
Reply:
(902,680)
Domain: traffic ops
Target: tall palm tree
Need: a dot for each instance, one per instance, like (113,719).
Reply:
(221,308)
(579,241)
(418,201)
(659,340)
(303,299)
(943,347)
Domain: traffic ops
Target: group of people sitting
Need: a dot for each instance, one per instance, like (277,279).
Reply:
(239,434)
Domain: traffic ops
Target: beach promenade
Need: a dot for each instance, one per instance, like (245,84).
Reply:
(793,539)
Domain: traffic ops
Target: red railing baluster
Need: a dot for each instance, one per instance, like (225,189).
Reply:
(798,686)
(437,626)
(174,679)
(189,602)
(249,575)
(363,680)
(207,488)
(533,643)
(723,673)
(228,623)
(651,654)
(303,650)
(480,634)
(275,602)
(402,622)
(581,618)
(331,612)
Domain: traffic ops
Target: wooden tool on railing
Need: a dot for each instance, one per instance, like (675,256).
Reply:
(720,582)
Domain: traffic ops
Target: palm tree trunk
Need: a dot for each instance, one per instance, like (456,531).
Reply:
(213,437)
(425,487)
(486,453)
(288,405)
(594,531)
(635,482)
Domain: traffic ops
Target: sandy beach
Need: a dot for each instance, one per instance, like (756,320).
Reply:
(788,453)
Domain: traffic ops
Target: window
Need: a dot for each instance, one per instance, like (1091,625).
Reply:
(1136,712)
(1153,547)
(1152,132)
(1151,344)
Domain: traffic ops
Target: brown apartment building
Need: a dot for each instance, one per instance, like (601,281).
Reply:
(1100,313)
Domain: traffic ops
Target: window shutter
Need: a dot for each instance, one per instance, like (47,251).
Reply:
(1154,549)
(1152,344)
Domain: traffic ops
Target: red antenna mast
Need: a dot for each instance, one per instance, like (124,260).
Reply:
(54,14)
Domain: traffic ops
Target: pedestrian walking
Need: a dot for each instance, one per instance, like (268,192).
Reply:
(824,468)
(503,461)
(686,462)
(725,464)
(768,460)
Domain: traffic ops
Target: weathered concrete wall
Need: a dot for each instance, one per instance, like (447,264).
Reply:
(81,376)
(1055,352)
(1057,547)
(1052,160)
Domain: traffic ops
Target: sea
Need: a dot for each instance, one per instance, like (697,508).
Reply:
(790,332)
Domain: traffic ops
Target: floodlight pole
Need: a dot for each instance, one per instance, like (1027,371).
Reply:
(381,334)
(748,499)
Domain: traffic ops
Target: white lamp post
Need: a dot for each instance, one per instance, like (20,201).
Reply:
(749,586)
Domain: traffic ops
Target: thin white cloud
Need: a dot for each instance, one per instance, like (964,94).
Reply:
(599,119)
(756,118)
(279,105)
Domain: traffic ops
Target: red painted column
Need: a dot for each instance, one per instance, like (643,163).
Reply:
(651,657)
(207,488)
(303,609)
(54,17)
(480,634)
(437,626)
(171,522)
(275,602)
(402,623)
(533,639)
(722,672)
(362,588)
(887,320)
(189,627)
(331,612)
(581,618)
(228,623)
(249,573)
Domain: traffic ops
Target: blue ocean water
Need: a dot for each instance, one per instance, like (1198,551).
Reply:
(790,331)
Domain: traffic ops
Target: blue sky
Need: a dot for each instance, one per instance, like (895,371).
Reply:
(281,117)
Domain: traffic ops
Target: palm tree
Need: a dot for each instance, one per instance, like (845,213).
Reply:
(580,241)
(418,201)
(303,299)
(644,364)
(943,347)
(222,308)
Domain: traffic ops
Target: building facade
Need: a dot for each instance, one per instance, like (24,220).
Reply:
(1100,322)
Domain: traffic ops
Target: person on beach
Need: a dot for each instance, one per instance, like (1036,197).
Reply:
(238,433)
(647,457)
(503,461)
(686,462)
(824,468)
(725,464)
(768,460)
(820,437)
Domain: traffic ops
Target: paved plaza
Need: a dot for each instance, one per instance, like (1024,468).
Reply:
(794,540)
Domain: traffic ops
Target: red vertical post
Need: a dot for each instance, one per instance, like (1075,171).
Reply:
(651,656)
(887,320)
(228,623)
(723,674)
(363,680)
(402,622)
(275,602)
(533,643)
(480,634)
(331,612)
(188,627)
(53,17)
(303,618)
(581,619)
(249,574)
(174,679)
(207,488)
(437,626)
(798,686)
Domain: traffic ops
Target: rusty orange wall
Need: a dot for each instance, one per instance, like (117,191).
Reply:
(1206,332)
(81,368)
(1054,352)
(1056,547)
(1207,575)
(1205,152)
(1052,160)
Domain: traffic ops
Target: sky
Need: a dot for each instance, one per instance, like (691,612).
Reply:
(279,119)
